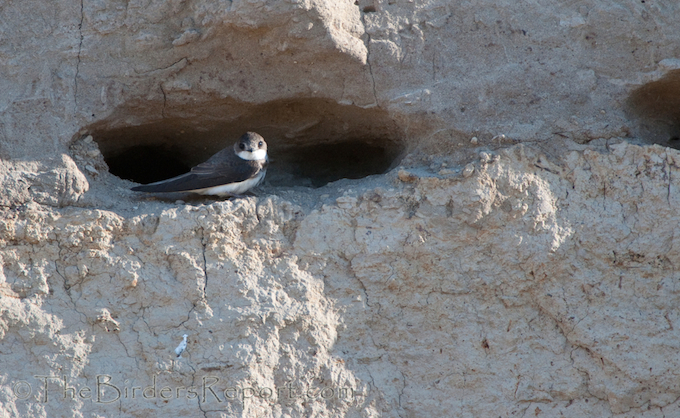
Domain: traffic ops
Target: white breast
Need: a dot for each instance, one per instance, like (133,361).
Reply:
(233,188)
(253,156)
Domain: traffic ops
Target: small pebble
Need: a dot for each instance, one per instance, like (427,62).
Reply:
(468,170)
(406,177)
(474,140)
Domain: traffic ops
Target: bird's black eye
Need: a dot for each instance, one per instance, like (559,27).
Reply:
(242,145)
(259,144)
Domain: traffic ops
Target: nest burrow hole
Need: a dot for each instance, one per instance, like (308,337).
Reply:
(310,142)
(657,106)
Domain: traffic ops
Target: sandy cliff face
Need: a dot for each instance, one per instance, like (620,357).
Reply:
(529,271)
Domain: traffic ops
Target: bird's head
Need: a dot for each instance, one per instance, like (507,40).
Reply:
(251,146)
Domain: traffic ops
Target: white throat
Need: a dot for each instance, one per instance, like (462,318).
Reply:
(252,156)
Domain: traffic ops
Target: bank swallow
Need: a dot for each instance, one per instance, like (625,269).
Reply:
(230,172)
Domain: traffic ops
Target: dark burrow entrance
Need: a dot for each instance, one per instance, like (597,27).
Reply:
(311,142)
(657,105)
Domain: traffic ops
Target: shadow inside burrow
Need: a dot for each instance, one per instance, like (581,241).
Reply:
(311,142)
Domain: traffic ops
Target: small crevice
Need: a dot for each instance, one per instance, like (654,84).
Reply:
(363,288)
(370,70)
(368,58)
(204,296)
(181,324)
(403,388)
(80,48)
(127,353)
(449,208)
(198,398)
(143,318)
(172,67)
(67,288)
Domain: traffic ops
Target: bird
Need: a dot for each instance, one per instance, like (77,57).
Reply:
(181,347)
(230,172)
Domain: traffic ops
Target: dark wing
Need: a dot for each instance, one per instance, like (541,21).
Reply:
(222,168)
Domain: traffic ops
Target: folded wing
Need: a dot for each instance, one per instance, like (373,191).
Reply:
(222,168)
